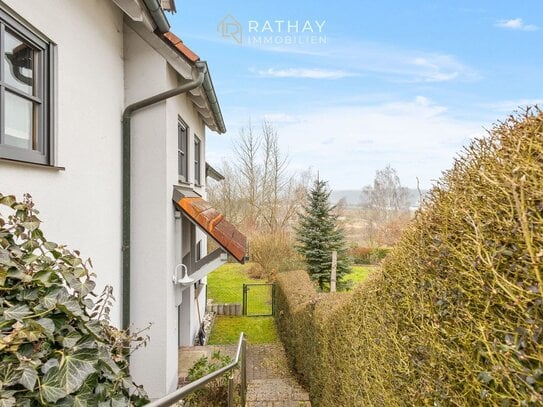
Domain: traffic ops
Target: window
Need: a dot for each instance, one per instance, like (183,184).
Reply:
(25,93)
(197,161)
(182,143)
(198,250)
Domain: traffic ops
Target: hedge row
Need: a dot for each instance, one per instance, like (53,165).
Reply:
(455,316)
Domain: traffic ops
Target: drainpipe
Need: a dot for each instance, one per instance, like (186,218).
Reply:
(127,116)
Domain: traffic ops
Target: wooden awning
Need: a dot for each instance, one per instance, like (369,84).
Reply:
(212,222)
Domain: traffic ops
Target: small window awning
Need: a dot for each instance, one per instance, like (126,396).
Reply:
(212,222)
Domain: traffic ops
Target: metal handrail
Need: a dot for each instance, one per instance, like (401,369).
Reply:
(241,357)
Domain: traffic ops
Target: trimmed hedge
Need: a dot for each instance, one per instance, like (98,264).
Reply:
(455,316)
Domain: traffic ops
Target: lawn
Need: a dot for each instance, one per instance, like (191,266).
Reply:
(225,286)
(359,274)
(226,330)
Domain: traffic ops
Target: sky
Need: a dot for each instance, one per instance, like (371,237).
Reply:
(354,86)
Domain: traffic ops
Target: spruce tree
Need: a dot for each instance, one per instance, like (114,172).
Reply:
(318,235)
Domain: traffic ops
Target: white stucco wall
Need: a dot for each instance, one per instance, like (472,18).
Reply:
(102,67)
(81,206)
(155,247)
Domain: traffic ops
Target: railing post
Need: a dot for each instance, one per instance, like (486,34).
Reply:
(230,390)
(243,371)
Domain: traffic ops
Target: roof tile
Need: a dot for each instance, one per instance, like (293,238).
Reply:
(176,43)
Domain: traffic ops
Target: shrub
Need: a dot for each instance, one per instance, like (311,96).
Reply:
(273,252)
(367,255)
(216,392)
(360,254)
(56,345)
(455,315)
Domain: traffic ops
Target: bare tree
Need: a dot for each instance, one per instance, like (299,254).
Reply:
(386,203)
(258,184)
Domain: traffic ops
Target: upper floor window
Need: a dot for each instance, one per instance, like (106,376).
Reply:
(197,161)
(182,143)
(25,93)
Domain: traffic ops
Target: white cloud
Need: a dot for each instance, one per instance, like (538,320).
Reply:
(304,73)
(516,24)
(398,64)
(348,144)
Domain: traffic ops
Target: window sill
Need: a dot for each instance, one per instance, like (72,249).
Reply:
(31,164)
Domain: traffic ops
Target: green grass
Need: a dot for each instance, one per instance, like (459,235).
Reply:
(226,330)
(225,285)
(358,274)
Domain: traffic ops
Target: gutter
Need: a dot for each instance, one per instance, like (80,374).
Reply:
(158,16)
(201,68)
(213,102)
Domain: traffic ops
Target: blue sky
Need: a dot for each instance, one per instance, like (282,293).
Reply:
(367,83)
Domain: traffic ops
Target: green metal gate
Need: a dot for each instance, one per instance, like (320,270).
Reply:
(258,300)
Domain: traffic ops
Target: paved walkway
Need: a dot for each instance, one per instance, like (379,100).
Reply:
(270,383)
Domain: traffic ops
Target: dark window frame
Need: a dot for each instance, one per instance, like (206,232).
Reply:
(182,149)
(197,160)
(42,98)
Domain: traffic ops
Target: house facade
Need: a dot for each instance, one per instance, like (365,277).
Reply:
(120,180)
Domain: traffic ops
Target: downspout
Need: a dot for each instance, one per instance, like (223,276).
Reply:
(201,68)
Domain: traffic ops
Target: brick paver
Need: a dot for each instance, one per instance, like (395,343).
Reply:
(270,382)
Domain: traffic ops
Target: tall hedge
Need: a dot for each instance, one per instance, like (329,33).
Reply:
(455,316)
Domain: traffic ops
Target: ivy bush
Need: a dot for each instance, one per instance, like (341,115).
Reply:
(56,344)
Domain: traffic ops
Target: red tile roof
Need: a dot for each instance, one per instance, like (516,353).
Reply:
(176,43)
(213,222)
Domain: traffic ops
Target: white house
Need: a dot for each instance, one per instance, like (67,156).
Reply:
(103,117)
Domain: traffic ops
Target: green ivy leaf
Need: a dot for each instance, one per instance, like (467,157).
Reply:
(8,402)
(51,363)
(17,312)
(16,274)
(7,200)
(71,339)
(32,223)
(29,376)
(76,367)
(47,324)
(49,300)
(30,258)
(44,277)
(51,389)
(50,245)
(30,245)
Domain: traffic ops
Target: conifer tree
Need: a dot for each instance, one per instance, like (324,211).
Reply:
(318,235)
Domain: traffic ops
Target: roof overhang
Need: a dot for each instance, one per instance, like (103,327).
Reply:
(212,222)
(213,173)
(182,60)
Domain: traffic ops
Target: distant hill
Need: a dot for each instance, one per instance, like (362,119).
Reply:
(354,196)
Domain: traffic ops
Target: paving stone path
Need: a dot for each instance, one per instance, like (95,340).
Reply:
(270,382)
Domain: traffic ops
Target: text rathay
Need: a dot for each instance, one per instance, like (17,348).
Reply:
(286,26)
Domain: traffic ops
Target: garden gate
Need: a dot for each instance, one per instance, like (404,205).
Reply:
(258,300)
